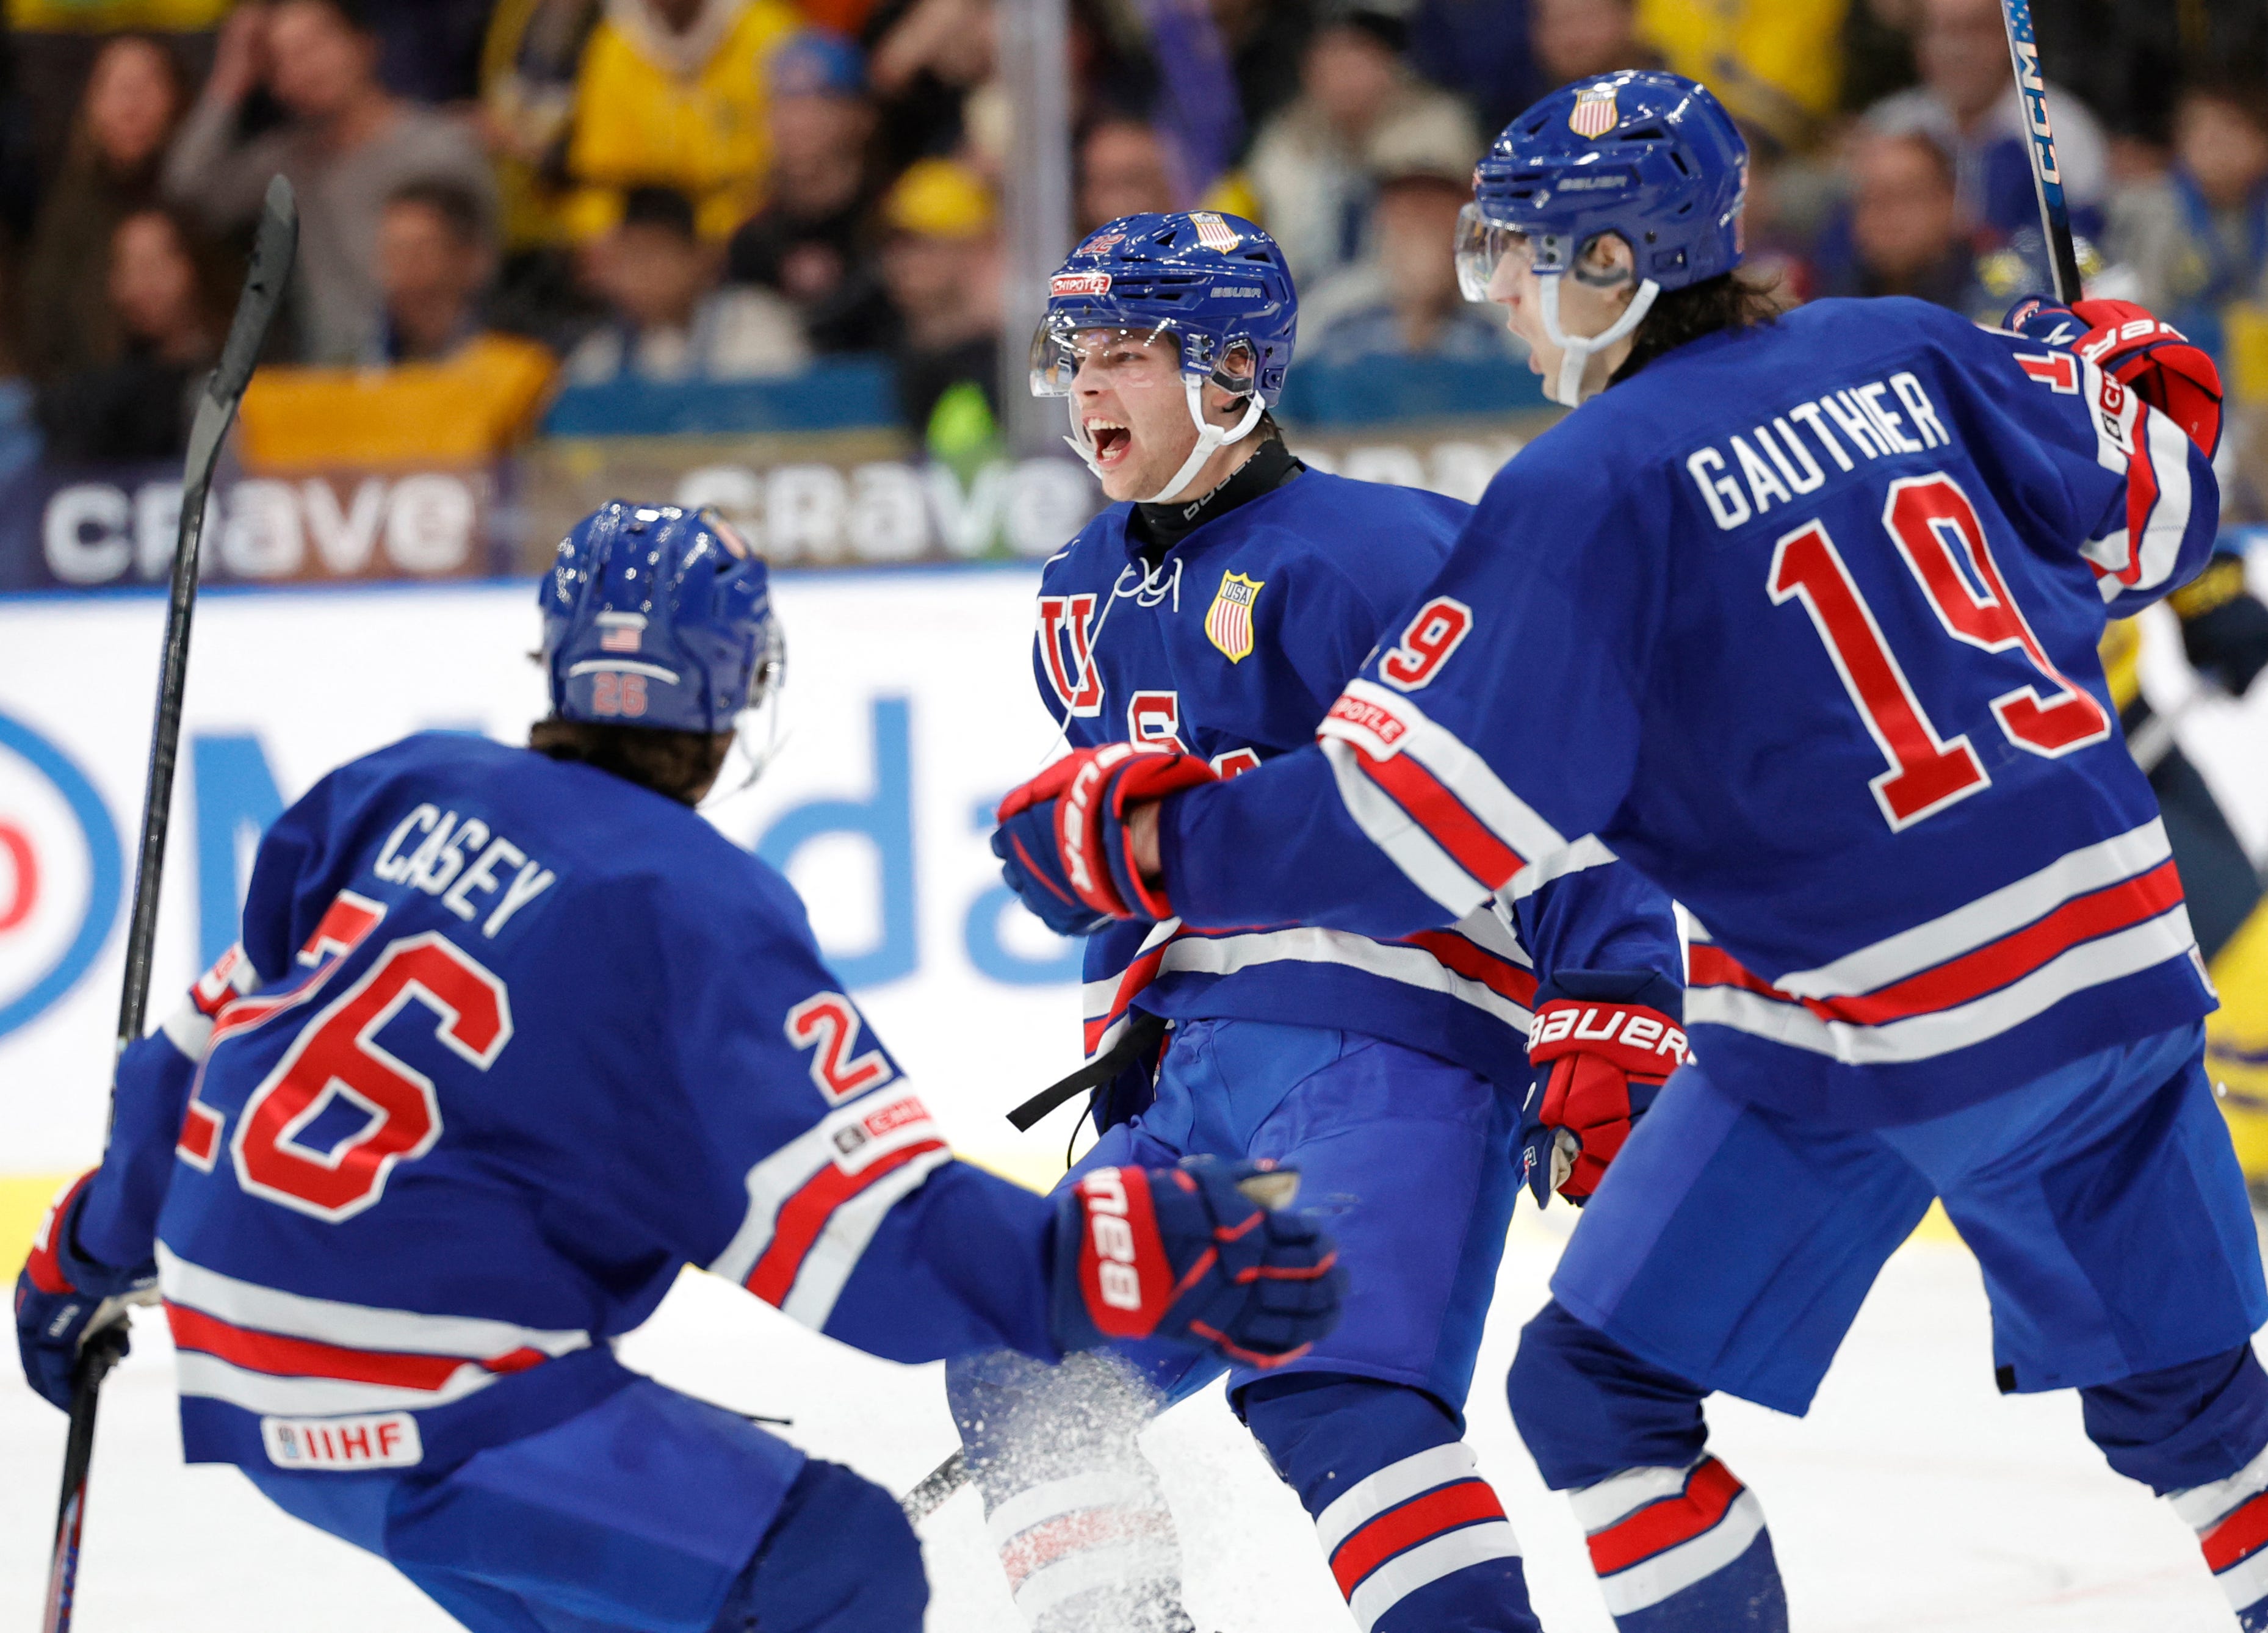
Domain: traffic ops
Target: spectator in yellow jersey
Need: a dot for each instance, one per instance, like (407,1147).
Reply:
(2224,630)
(672,93)
(1776,64)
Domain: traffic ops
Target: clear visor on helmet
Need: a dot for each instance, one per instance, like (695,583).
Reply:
(1062,346)
(1481,246)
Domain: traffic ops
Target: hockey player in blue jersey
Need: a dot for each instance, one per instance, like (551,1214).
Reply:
(1211,617)
(1797,615)
(510,1038)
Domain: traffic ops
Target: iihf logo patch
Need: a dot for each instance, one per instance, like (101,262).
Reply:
(1213,232)
(1228,621)
(1595,112)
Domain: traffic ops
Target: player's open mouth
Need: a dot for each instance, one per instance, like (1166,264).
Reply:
(1112,441)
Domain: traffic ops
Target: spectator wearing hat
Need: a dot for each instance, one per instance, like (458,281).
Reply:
(812,241)
(347,144)
(2197,238)
(667,318)
(1313,164)
(674,93)
(941,263)
(1403,300)
(135,97)
(1965,105)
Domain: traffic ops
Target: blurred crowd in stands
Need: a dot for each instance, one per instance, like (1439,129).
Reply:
(526,194)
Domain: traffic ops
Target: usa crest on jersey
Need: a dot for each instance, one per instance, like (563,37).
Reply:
(1228,621)
(1594,114)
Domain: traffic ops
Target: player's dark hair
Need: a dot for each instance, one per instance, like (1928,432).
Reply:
(679,764)
(1727,301)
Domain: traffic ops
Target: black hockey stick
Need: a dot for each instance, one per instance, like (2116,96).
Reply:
(2047,175)
(938,1484)
(272,250)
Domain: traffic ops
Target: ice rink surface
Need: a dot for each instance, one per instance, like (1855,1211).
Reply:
(1914,1497)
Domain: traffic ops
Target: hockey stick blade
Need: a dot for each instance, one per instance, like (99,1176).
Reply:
(2047,174)
(273,248)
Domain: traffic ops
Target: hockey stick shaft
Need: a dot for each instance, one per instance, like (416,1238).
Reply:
(272,251)
(2047,174)
(936,1486)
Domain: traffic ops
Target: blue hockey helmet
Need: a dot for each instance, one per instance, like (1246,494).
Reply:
(658,617)
(1214,284)
(1651,157)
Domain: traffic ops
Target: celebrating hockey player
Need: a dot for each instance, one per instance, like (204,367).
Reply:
(1211,617)
(1798,616)
(510,1038)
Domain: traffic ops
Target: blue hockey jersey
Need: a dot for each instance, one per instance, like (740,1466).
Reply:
(1232,644)
(506,1044)
(1800,621)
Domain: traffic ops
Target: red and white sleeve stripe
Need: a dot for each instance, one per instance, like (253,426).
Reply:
(2152,454)
(815,1203)
(1429,801)
(189,1029)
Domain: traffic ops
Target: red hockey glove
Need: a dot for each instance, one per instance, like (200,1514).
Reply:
(1599,1067)
(2153,358)
(1062,836)
(1187,1253)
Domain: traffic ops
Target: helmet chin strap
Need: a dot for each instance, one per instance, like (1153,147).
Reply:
(1210,438)
(1577,350)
